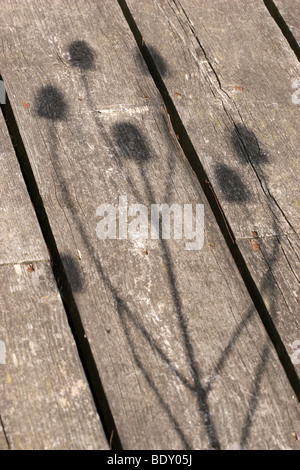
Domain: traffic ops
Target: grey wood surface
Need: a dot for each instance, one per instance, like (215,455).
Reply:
(3,440)
(183,357)
(232,77)
(45,401)
(290,12)
(45,398)
(20,235)
(276,269)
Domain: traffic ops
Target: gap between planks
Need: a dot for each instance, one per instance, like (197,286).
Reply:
(64,289)
(196,165)
(283,25)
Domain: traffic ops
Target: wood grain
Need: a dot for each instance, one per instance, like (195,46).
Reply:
(275,266)
(20,235)
(231,76)
(183,357)
(45,398)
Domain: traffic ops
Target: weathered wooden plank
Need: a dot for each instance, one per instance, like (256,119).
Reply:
(230,74)
(20,236)
(290,12)
(149,307)
(45,401)
(274,262)
(3,440)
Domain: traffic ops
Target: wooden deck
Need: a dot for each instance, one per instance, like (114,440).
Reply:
(141,343)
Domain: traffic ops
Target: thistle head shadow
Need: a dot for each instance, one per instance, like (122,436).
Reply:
(231,185)
(157,59)
(247,146)
(82,55)
(50,103)
(131,142)
(74,272)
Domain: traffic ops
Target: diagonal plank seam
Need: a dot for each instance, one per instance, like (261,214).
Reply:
(4,433)
(229,107)
(269,196)
(196,165)
(73,316)
(281,23)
